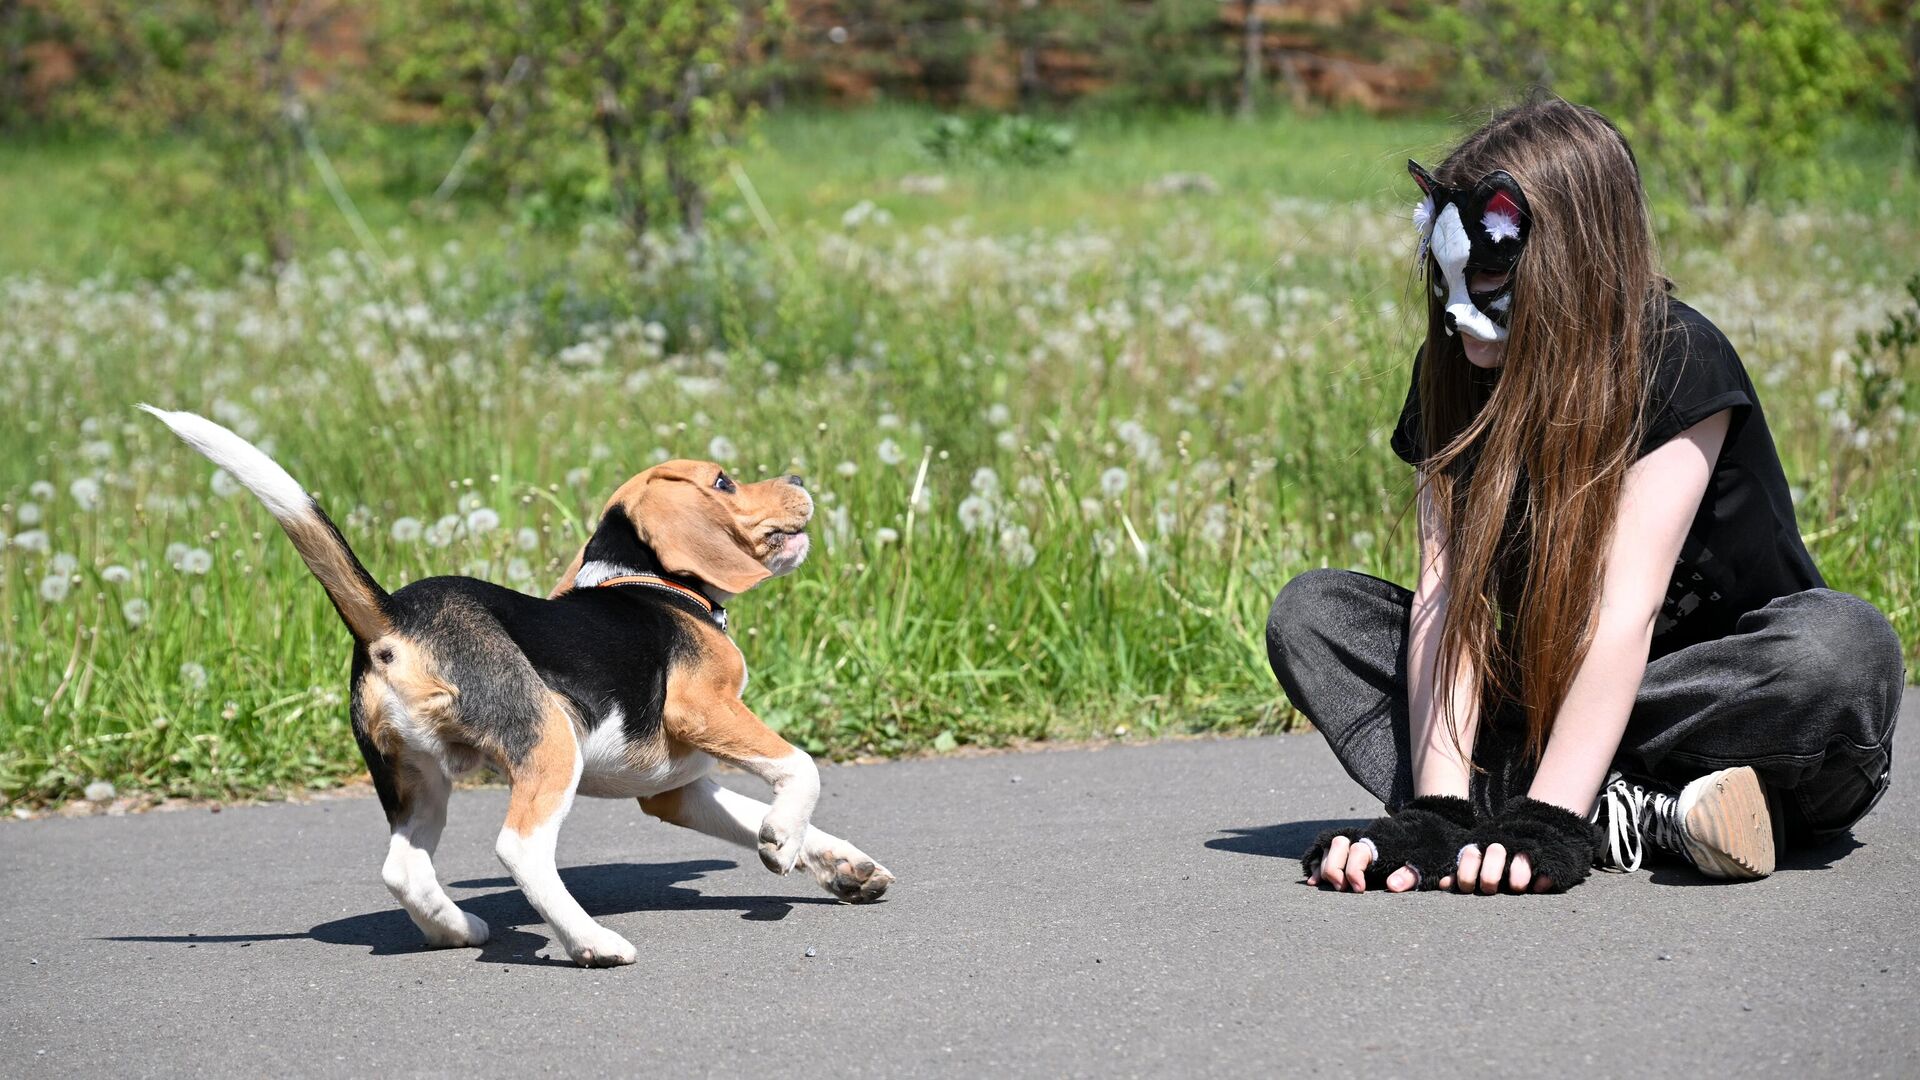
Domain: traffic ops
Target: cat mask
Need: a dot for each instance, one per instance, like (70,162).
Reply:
(1477,231)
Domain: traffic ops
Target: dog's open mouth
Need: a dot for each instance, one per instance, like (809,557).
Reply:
(786,549)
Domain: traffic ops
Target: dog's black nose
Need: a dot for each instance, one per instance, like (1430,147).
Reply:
(796,481)
(1450,323)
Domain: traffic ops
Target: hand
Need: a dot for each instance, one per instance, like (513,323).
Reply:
(1392,851)
(1345,867)
(1529,846)
(1481,872)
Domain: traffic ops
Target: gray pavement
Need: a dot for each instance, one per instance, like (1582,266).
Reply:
(1120,911)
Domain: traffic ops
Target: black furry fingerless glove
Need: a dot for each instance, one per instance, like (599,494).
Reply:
(1426,834)
(1558,842)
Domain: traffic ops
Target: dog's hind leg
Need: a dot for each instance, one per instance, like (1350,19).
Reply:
(544,779)
(422,786)
(705,806)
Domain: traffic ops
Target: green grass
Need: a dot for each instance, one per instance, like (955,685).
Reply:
(1181,401)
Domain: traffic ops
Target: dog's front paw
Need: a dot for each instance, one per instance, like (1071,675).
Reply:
(602,948)
(473,933)
(780,845)
(850,876)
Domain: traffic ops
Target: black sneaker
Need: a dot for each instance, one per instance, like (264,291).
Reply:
(1720,823)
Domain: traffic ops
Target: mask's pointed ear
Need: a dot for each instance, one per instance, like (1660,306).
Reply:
(1504,213)
(1421,177)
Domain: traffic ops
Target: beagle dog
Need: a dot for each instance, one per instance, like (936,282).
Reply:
(622,684)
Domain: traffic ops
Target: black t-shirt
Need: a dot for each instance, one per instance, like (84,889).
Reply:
(1744,546)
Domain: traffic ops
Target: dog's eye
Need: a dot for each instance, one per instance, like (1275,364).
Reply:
(722,483)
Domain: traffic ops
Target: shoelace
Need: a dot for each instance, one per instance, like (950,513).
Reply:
(1636,815)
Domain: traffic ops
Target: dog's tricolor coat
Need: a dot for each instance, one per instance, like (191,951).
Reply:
(622,684)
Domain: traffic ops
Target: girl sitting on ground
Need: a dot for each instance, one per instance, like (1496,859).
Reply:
(1617,638)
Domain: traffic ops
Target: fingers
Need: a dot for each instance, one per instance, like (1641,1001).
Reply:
(1492,864)
(1332,865)
(1520,874)
(1403,879)
(1359,857)
(1469,874)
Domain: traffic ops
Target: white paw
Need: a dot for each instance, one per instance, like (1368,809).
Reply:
(780,844)
(849,875)
(446,937)
(601,947)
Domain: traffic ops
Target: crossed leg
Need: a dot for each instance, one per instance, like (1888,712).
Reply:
(704,806)
(422,786)
(544,780)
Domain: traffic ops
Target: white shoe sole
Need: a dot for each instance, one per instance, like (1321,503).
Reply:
(1726,826)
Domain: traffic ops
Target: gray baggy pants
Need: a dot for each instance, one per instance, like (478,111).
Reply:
(1806,690)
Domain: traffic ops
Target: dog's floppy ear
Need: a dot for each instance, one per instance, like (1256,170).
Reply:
(693,535)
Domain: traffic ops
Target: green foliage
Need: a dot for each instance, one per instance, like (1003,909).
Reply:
(997,140)
(602,105)
(221,72)
(1726,98)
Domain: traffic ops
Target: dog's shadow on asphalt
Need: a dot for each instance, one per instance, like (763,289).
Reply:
(604,889)
(1287,840)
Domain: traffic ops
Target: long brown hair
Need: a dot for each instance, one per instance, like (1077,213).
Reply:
(1526,487)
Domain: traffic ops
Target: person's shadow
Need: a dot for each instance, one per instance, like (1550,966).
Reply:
(604,889)
(1288,840)
(1818,855)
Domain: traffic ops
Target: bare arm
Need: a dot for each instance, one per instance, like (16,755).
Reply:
(1439,767)
(1657,506)
(1662,494)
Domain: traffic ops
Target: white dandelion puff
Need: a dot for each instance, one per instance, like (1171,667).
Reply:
(519,571)
(884,536)
(85,492)
(193,676)
(890,452)
(1113,482)
(721,449)
(27,514)
(63,563)
(196,561)
(976,513)
(224,485)
(41,489)
(54,588)
(482,520)
(985,481)
(526,539)
(1030,487)
(441,533)
(175,552)
(136,611)
(116,575)
(577,477)
(846,468)
(406,530)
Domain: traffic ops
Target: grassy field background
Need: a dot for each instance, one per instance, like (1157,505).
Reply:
(1070,427)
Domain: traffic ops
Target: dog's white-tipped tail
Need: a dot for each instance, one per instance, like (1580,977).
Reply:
(362,603)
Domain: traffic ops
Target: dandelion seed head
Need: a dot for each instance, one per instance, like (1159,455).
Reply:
(722,450)
(884,536)
(482,520)
(224,485)
(41,489)
(193,676)
(116,575)
(1113,482)
(985,481)
(526,539)
(890,452)
(86,492)
(54,588)
(976,513)
(27,513)
(406,530)
(136,611)
(846,468)
(196,561)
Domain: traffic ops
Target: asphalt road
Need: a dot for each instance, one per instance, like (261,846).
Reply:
(1124,911)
